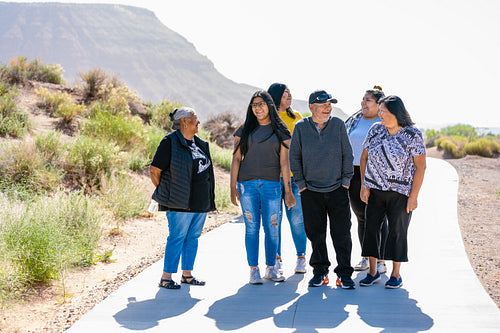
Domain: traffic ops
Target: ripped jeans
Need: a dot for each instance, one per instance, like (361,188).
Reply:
(260,199)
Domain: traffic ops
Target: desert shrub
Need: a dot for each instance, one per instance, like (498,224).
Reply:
(137,160)
(94,157)
(122,196)
(51,101)
(221,156)
(159,114)
(155,135)
(4,88)
(126,131)
(23,170)
(50,146)
(20,69)
(68,112)
(13,121)
(466,131)
(482,147)
(221,127)
(93,80)
(452,145)
(431,135)
(47,235)
(222,197)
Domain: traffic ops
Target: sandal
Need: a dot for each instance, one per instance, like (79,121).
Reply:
(169,284)
(192,281)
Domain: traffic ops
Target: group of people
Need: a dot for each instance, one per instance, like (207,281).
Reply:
(315,168)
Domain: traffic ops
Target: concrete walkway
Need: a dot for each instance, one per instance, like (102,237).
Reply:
(440,291)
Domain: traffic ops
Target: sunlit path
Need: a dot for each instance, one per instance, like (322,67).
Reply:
(440,293)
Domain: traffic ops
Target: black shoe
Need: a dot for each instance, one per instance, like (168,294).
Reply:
(318,280)
(345,282)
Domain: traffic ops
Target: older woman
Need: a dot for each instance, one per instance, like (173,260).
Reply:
(260,155)
(282,99)
(357,126)
(182,172)
(392,170)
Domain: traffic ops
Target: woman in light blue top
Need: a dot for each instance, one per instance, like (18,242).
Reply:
(357,126)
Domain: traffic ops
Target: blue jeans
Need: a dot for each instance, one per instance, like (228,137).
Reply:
(184,229)
(260,199)
(296,220)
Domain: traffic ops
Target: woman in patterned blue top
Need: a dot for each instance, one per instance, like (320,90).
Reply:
(392,169)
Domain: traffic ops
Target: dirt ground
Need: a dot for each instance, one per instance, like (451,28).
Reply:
(478,207)
(141,242)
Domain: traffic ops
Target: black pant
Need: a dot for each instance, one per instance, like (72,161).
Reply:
(316,207)
(358,207)
(392,204)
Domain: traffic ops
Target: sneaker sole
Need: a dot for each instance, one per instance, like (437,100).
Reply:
(361,268)
(394,287)
(325,281)
(276,280)
(300,271)
(370,284)
(256,282)
(343,286)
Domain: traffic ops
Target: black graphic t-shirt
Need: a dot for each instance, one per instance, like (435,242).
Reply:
(200,197)
(200,185)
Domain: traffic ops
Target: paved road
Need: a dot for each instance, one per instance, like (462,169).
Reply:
(441,293)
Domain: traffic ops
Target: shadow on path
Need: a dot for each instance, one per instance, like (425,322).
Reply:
(253,303)
(147,314)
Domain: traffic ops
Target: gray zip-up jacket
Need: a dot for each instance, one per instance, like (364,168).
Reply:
(321,161)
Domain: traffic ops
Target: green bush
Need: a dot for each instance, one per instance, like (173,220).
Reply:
(482,147)
(20,69)
(126,131)
(122,196)
(24,171)
(136,160)
(466,131)
(160,114)
(93,80)
(50,146)
(13,121)
(94,157)
(454,145)
(45,236)
(155,135)
(431,136)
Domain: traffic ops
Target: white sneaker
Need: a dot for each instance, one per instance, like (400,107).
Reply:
(273,275)
(381,268)
(279,266)
(362,265)
(301,265)
(255,276)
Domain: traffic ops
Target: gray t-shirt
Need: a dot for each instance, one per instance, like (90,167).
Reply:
(262,160)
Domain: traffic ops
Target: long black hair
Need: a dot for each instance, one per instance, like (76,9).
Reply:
(276,90)
(396,106)
(251,123)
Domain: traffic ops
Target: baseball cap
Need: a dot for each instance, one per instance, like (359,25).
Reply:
(321,96)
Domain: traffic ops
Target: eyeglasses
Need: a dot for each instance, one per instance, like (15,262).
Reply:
(258,105)
(322,98)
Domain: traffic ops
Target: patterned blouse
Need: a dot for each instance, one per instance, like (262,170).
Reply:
(390,164)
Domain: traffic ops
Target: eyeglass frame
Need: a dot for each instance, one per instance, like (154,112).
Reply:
(258,105)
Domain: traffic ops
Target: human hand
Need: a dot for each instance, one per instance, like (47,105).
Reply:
(364,194)
(235,196)
(412,204)
(289,200)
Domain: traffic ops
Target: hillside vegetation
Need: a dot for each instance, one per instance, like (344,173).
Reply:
(461,140)
(62,181)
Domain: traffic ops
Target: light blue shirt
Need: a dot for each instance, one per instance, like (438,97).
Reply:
(358,135)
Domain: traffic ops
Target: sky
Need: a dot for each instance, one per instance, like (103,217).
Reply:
(440,56)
